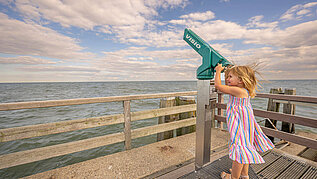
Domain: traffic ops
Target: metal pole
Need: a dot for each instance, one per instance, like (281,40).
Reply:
(206,104)
(203,124)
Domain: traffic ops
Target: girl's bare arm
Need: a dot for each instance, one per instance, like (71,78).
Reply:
(233,90)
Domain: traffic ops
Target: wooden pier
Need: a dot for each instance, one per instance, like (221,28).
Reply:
(162,167)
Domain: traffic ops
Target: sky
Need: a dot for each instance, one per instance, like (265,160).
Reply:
(142,40)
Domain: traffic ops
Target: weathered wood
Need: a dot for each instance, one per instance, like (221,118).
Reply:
(300,99)
(289,109)
(145,131)
(127,124)
(220,110)
(296,103)
(167,103)
(305,99)
(311,143)
(220,118)
(28,156)
(272,106)
(68,102)
(185,100)
(305,121)
(72,125)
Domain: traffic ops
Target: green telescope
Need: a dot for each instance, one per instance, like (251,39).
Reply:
(210,56)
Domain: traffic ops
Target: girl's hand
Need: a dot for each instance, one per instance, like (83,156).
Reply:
(219,68)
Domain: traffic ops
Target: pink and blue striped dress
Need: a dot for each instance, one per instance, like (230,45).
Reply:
(246,136)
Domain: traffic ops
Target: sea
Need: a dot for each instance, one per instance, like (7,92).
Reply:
(20,92)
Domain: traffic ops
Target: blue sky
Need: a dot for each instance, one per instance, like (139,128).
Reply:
(122,40)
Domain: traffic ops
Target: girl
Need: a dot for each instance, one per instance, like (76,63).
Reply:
(246,136)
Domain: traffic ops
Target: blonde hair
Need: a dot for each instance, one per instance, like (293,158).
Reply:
(247,75)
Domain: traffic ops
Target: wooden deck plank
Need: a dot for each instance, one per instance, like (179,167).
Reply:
(269,158)
(310,173)
(213,170)
(295,171)
(276,168)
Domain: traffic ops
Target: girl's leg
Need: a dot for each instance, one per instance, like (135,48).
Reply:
(245,171)
(236,169)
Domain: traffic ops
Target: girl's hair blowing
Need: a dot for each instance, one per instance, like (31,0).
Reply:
(247,76)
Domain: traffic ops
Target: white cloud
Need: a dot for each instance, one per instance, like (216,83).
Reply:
(219,30)
(304,34)
(129,21)
(166,3)
(27,60)
(198,16)
(298,11)
(143,64)
(86,14)
(58,69)
(25,38)
(256,22)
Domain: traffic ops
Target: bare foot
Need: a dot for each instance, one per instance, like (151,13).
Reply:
(225,175)
(241,176)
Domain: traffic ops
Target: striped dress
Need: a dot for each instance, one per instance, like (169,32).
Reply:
(246,136)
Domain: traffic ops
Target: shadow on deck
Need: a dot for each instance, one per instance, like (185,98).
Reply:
(278,165)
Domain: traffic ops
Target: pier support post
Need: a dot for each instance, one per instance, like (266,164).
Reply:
(273,106)
(185,100)
(289,109)
(165,103)
(206,103)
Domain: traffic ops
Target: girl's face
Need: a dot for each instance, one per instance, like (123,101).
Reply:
(233,80)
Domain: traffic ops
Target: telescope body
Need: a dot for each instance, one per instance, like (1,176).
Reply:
(210,56)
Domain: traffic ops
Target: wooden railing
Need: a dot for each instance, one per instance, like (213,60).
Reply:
(305,121)
(23,157)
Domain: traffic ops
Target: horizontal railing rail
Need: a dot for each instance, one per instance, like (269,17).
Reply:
(68,102)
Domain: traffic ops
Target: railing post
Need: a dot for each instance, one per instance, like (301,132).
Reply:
(289,109)
(273,106)
(127,124)
(220,111)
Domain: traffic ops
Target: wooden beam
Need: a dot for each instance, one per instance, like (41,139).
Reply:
(307,99)
(145,131)
(220,118)
(305,121)
(67,102)
(28,156)
(308,142)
